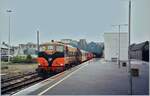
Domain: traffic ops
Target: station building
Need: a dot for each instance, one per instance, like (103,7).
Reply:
(140,51)
(112,42)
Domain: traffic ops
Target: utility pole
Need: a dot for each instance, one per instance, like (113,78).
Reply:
(119,26)
(0,49)
(130,78)
(38,45)
(9,46)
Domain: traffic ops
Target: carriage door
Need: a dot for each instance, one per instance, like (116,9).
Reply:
(65,54)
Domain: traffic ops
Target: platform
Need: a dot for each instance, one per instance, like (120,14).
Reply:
(94,77)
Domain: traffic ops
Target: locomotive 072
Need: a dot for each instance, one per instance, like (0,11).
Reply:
(55,57)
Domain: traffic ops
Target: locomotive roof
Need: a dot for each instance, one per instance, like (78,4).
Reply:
(52,43)
(70,48)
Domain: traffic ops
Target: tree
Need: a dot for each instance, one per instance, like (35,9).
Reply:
(29,59)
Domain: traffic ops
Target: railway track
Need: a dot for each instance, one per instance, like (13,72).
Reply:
(6,78)
(11,85)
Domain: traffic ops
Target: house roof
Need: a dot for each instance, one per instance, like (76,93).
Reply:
(143,45)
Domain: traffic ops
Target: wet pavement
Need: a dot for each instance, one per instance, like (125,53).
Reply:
(95,77)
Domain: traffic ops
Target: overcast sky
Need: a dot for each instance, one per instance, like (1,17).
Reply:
(72,19)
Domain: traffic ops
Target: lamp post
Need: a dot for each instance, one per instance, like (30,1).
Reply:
(129,29)
(0,48)
(9,11)
(38,45)
(119,26)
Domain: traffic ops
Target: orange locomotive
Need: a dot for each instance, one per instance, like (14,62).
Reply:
(56,56)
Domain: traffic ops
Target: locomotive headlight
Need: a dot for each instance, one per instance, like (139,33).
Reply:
(39,64)
(61,64)
(49,59)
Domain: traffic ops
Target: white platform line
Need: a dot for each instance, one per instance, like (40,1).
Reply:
(62,80)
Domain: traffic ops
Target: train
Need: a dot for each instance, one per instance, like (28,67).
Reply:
(55,57)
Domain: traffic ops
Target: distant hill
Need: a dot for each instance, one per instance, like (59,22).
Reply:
(94,47)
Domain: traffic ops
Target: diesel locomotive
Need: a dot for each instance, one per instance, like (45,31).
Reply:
(55,57)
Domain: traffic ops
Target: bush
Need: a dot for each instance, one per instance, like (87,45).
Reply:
(24,59)
(18,59)
(29,59)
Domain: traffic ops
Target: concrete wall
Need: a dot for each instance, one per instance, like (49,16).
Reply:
(111,46)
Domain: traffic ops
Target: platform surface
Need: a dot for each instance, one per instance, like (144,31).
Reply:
(95,77)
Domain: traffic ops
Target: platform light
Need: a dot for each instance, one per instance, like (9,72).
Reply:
(129,18)
(119,27)
(9,45)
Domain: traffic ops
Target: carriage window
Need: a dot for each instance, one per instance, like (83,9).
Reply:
(50,47)
(60,48)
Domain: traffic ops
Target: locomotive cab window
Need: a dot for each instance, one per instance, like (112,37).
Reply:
(60,48)
(50,47)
